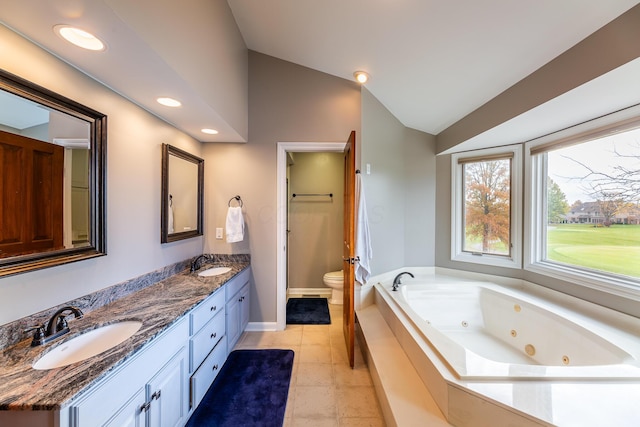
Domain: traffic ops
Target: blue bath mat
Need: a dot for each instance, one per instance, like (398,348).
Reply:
(250,390)
(308,311)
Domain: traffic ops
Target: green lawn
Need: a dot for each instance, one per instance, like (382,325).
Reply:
(613,249)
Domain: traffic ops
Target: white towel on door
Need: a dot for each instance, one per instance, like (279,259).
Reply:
(235,224)
(363,249)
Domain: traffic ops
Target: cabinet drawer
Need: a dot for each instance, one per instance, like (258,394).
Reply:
(201,380)
(206,339)
(234,285)
(205,311)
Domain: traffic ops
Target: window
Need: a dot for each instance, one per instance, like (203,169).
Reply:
(585,208)
(486,206)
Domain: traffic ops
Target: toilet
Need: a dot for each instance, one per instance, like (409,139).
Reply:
(335,281)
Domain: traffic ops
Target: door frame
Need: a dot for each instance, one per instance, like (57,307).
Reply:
(281,220)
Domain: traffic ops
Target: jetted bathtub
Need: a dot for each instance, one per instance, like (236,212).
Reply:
(484,331)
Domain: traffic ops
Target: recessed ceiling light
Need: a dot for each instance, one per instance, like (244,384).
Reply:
(361,76)
(169,102)
(79,37)
(210,131)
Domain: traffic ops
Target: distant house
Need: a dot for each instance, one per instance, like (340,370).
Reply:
(589,213)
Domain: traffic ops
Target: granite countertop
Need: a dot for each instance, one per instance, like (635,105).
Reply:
(158,306)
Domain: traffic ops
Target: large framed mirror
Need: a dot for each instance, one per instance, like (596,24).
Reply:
(182,194)
(52,178)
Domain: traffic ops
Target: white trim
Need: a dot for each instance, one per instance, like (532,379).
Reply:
(73,142)
(281,221)
(261,327)
(457,205)
(322,292)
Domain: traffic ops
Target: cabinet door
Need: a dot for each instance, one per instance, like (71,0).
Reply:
(131,414)
(167,393)
(233,321)
(245,307)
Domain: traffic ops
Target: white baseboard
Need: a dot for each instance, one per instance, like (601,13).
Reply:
(322,292)
(261,327)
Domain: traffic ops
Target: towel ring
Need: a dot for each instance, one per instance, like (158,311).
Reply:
(237,198)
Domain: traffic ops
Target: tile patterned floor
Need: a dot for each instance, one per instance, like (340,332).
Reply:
(324,390)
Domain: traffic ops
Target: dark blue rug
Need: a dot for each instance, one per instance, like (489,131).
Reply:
(308,311)
(250,390)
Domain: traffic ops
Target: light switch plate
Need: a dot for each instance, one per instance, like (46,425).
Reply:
(218,233)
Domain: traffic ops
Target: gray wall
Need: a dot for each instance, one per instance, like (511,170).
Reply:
(420,198)
(400,191)
(287,103)
(133,189)
(316,223)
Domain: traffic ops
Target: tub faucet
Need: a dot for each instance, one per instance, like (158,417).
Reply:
(397,282)
(56,327)
(197,262)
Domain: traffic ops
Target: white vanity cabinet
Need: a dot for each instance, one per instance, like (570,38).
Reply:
(149,390)
(163,382)
(237,308)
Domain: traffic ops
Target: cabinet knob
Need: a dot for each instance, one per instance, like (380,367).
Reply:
(213,335)
(145,407)
(156,395)
(214,308)
(215,367)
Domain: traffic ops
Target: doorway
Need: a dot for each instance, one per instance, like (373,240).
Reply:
(283,197)
(315,222)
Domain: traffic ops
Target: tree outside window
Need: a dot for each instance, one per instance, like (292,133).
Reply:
(487,196)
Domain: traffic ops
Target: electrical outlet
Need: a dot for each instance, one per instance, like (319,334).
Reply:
(218,233)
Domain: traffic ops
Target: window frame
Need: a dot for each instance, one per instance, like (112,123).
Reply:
(514,260)
(536,214)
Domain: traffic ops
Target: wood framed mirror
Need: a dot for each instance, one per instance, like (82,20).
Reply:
(182,195)
(52,178)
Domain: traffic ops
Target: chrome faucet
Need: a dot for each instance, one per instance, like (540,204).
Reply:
(55,327)
(397,282)
(197,262)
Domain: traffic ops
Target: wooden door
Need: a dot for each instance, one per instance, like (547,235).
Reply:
(348,253)
(31,185)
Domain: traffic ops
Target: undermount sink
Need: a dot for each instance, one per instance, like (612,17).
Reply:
(214,271)
(88,344)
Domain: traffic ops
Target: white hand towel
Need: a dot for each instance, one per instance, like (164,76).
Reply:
(363,250)
(235,224)
(170,219)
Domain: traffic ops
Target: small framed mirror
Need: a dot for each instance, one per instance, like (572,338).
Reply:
(182,194)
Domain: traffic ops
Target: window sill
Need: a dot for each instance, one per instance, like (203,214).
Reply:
(610,284)
(485,259)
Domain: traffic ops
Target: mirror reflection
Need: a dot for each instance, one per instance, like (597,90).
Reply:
(45,154)
(52,178)
(182,178)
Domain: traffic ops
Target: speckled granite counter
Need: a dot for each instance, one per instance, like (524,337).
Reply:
(158,306)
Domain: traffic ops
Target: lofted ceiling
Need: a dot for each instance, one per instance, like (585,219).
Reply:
(431,62)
